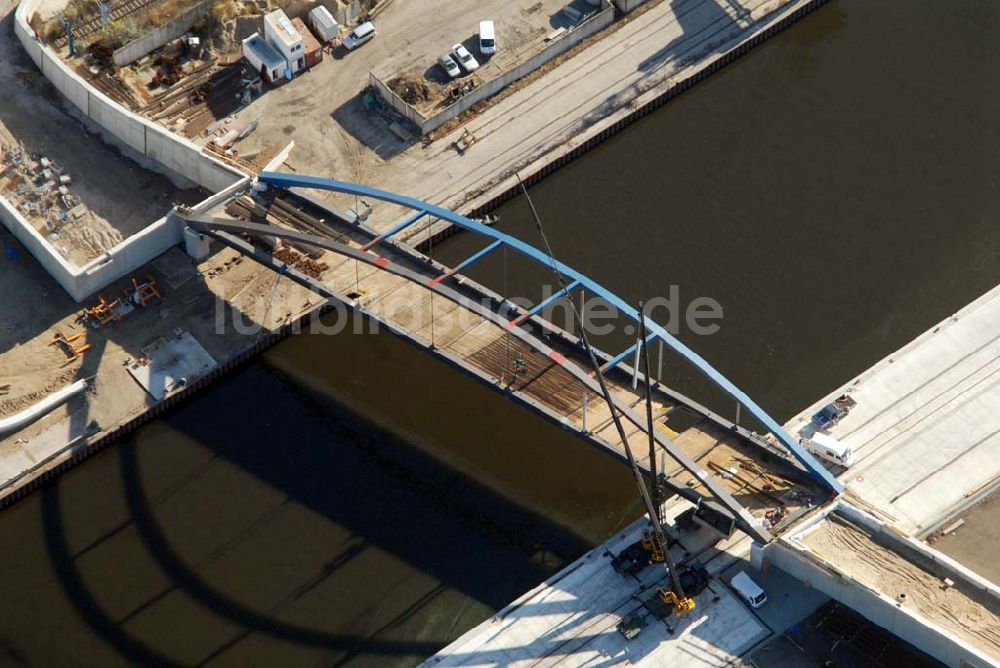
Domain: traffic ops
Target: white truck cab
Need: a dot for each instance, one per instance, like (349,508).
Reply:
(828,448)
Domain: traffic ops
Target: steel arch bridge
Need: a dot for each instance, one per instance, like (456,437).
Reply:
(574,280)
(496,240)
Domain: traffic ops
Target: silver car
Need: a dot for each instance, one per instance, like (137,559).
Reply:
(449,65)
(465,58)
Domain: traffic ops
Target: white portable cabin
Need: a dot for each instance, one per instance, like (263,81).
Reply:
(282,35)
(323,24)
(263,58)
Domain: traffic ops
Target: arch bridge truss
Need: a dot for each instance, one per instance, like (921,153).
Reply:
(445,283)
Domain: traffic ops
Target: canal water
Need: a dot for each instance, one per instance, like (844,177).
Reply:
(348,501)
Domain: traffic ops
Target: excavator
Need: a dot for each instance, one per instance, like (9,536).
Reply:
(673,597)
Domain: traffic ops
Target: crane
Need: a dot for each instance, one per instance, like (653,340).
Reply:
(675,597)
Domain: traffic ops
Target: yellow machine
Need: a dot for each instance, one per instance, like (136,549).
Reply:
(681,606)
(652,545)
(654,541)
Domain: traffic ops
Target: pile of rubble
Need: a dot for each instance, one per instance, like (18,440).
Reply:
(307,266)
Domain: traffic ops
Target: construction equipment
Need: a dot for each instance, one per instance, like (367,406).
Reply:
(104,312)
(675,598)
(631,626)
(681,605)
(631,560)
(464,141)
(653,546)
(66,344)
(143,293)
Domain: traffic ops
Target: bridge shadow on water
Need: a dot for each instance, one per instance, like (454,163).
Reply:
(387,496)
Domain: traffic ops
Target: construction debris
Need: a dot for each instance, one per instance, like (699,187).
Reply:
(411,90)
(298,261)
(168,71)
(201,95)
(107,312)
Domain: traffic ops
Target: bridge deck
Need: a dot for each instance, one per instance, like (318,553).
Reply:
(545,380)
(571,620)
(926,428)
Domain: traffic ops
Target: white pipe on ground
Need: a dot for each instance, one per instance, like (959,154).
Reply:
(43,407)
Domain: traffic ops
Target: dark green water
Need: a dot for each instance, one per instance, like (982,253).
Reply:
(346,500)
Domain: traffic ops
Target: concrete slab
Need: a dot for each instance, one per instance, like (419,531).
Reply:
(170,364)
(64,432)
(788,601)
(896,582)
(926,428)
(15,462)
(572,617)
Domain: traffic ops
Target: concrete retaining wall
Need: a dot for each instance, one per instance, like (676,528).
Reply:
(597,22)
(154,39)
(84,281)
(47,256)
(123,259)
(628,5)
(806,566)
(173,153)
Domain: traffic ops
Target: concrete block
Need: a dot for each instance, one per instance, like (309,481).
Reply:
(196,245)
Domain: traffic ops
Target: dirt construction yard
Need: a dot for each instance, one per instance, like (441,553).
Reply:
(119,197)
(322,111)
(881,569)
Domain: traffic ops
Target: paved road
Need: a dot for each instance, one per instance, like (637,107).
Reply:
(665,43)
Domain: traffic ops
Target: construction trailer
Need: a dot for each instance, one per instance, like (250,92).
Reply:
(323,24)
(313,49)
(286,40)
(264,59)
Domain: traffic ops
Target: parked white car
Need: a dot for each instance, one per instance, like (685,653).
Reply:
(748,590)
(465,58)
(487,38)
(361,34)
(449,65)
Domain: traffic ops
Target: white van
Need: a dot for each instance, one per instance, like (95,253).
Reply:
(748,590)
(487,38)
(829,448)
(361,34)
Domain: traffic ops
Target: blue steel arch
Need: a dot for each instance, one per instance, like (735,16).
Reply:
(498,239)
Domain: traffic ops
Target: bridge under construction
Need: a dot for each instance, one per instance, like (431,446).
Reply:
(762,482)
(765,483)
